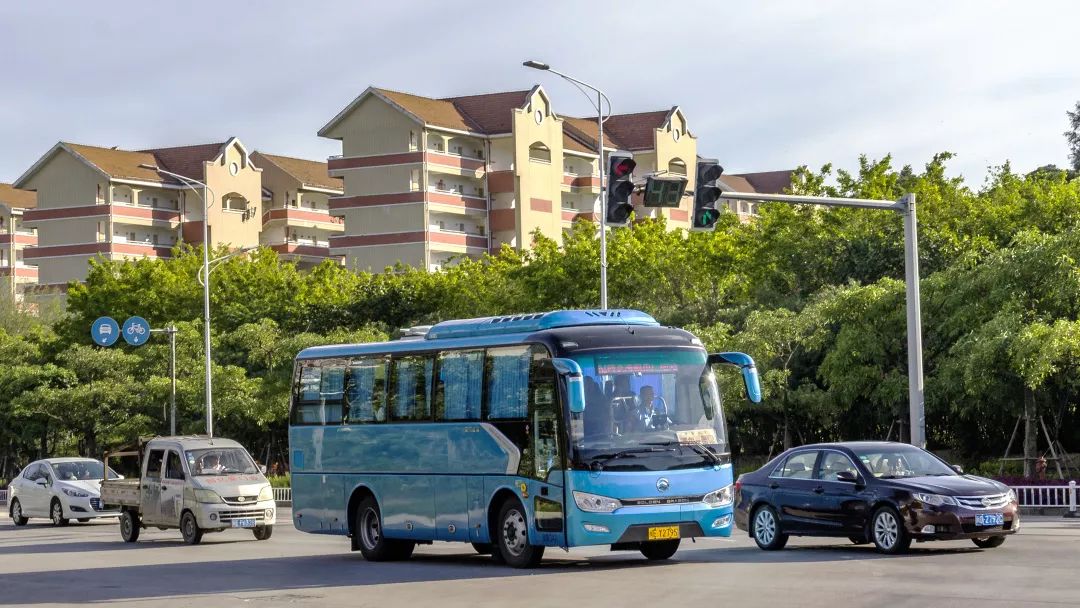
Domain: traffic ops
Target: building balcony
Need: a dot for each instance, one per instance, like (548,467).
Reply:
(20,272)
(304,218)
(301,248)
(581,184)
(19,238)
(130,214)
(457,201)
(453,164)
(454,241)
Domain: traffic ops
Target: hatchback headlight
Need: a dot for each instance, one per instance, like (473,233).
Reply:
(934,499)
(74,493)
(719,498)
(593,503)
(267,493)
(207,496)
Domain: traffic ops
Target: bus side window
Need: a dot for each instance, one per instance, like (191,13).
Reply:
(459,385)
(410,388)
(320,393)
(307,407)
(508,382)
(332,391)
(366,390)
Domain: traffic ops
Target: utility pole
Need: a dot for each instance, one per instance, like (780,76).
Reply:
(171,332)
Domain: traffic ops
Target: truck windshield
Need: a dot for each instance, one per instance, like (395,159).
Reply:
(220,461)
(81,470)
(654,410)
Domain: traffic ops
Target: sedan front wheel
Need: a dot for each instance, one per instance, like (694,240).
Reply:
(888,532)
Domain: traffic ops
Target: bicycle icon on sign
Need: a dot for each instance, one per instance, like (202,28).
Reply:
(136,329)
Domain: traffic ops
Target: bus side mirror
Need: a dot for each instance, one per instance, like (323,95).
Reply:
(749,371)
(570,371)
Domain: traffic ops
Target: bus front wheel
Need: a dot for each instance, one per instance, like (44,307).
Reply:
(512,537)
(368,531)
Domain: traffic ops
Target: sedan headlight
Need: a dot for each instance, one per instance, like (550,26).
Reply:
(1011,496)
(934,499)
(595,504)
(267,493)
(74,493)
(207,496)
(719,498)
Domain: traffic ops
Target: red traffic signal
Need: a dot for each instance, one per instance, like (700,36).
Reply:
(622,167)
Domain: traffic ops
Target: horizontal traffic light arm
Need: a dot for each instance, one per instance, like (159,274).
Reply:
(827,201)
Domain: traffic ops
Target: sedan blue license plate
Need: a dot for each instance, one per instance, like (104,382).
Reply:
(990,519)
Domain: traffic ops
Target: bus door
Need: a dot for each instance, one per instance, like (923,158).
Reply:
(548,454)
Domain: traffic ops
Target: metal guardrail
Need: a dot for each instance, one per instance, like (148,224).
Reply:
(3,497)
(283,495)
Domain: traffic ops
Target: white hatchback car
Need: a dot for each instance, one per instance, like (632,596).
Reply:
(60,489)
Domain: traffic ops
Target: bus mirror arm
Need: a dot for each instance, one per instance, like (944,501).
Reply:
(749,371)
(570,372)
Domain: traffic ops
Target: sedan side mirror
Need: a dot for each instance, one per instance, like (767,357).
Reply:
(847,477)
(959,469)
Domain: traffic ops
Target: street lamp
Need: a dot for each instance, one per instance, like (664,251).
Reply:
(216,262)
(194,184)
(600,118)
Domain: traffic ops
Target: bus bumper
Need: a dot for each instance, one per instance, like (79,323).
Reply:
(641,524)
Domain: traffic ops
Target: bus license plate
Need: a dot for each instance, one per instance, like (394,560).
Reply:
(664,533)
(990,519)
(244,522)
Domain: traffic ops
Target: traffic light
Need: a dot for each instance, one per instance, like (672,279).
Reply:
(706,192)
(620,186)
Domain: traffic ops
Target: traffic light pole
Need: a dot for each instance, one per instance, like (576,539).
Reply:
(905,206)
(603,201)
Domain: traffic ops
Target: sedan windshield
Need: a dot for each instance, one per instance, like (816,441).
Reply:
(220,461)
(648,410)
(893,461)
(81,470)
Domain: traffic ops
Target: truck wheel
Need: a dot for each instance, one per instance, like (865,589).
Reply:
(189,528)
(512,537)
(56,514)
(263,532)
(368,531)
(17,514)
(659,549)
(130,526)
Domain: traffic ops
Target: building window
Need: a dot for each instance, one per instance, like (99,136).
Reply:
(414,141)
(677,167)
(540,153)
(414,180)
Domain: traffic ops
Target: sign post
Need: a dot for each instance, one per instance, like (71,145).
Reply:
(105,331)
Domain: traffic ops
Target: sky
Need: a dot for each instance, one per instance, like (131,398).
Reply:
(764,85)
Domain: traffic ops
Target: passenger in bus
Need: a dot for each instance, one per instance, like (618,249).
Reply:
(597,417)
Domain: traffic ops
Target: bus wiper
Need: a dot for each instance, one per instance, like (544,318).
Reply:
(698,449)
(599,462)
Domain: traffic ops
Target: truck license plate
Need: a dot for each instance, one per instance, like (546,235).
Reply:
(663,532)
(990,519)
(245,522)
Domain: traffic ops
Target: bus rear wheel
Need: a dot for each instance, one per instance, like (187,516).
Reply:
(483,548)
(512,537)
(659,549)
(368,531)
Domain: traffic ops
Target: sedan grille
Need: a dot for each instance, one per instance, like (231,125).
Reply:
(993,501)
(95,503)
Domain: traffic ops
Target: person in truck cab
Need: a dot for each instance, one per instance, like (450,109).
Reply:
(210,465)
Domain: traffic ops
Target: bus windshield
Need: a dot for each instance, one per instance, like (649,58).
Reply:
(648,410)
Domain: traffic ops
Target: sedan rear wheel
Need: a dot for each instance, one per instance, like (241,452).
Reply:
(888,532)
(766,529)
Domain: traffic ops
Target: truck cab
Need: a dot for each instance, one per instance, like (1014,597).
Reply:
(196,484)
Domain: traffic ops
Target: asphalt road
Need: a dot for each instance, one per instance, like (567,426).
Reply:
(88,563)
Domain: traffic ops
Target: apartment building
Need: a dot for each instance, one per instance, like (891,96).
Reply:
(15,237)
(765,182)
(296,220)
(428,179)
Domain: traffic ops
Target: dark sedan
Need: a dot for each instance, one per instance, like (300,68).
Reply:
(880,492)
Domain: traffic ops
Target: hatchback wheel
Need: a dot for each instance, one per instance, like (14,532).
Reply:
(989,542)
(888,532)
(56,514)
(17,514)
(766,529)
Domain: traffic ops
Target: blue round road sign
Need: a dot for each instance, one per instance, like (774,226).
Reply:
(136,331)
(105,331)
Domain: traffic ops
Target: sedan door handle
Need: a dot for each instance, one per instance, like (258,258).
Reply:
(819,490)
(773,486)
(163,487)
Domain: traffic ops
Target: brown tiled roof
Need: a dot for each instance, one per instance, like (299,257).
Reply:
(585,130)
(572,144)
(14,197)
(769,182)
(123,164)
(186,160)
(437,112)
(635,131)
(492,113)
(737,183)
(308,172)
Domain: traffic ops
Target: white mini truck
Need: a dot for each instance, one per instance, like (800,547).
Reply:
(197,484)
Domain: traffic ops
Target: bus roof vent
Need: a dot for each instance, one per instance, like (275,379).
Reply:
(415,332)
(512,324)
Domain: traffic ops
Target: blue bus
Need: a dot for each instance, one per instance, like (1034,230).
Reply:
(515,433)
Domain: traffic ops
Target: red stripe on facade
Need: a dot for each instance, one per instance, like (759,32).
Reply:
(96,248)
(300,215)
(449,160)
(539,204)
(503,219)
(500,182)
(679,215)
(375,161)
(581,182)
(467,240)
(371,200)
(455,200)
(393,238)
(18,239)
(19,272)
(570,216)
(167,215)
(298,249)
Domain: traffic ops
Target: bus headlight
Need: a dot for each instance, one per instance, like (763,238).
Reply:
(719,498)
(267,493)
(593,503)
(207,496)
